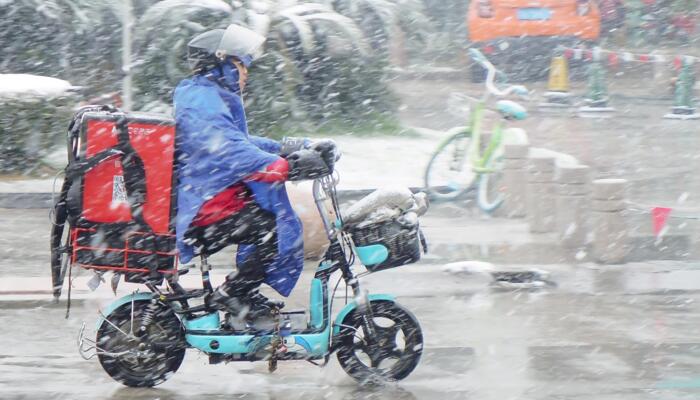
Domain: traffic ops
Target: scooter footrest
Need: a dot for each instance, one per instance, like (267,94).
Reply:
(297,318)
(188,295)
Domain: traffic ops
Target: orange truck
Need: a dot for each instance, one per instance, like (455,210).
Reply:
(521,35)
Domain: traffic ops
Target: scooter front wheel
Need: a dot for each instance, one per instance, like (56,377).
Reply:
(390,354)
(140,347)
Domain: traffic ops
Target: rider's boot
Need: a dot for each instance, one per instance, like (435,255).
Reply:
(258,298)
(239,293)
(233,297)
(239,296)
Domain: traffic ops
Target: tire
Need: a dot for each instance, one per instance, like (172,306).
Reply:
(159,362)
(491,189)
(400,339)
(449,173)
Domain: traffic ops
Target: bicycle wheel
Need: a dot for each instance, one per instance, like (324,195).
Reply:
(449,172)
(391,354)
(147,357)
(491,190)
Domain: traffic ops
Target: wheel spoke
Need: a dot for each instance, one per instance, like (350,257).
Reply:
(386,335)
(114,326)
(363,348)
(374,360)
(397,354)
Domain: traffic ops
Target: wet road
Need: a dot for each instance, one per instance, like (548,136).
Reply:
(600,333)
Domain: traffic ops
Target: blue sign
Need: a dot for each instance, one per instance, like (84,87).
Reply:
(534,14)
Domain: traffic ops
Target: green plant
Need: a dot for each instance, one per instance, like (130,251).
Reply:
(29,128)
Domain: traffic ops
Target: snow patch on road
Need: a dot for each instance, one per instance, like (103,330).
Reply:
(470,267)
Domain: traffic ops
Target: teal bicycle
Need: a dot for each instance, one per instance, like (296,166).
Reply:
(462,162)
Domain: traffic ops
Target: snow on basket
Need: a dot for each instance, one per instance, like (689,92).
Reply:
(384,227)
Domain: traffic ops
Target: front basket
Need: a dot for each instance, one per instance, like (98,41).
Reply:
(402,243)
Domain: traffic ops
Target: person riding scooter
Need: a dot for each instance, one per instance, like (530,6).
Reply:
(230,183)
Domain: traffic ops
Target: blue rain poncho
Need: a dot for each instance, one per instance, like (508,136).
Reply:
(215,151)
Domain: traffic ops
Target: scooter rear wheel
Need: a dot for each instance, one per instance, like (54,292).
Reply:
(151,355)
(391,354)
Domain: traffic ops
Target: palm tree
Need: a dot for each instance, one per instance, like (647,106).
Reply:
(384,21)
(319,62)
(307,42)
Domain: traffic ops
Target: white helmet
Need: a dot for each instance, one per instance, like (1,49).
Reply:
(210,48)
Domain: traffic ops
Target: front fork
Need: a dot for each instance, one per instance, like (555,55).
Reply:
(365,308)
(336,253)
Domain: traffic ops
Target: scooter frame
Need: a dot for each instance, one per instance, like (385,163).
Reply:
(205,331)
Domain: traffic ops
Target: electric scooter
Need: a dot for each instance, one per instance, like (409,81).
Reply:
(142,338)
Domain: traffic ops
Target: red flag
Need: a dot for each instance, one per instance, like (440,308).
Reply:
(677,63)
(569,53)
(613,59)
(659,215)
(643,58)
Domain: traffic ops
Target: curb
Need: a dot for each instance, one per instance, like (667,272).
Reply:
(45,200)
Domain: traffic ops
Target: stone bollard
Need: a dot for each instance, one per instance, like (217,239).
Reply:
(572,205)
(610,236)
(541,194)
(515,180)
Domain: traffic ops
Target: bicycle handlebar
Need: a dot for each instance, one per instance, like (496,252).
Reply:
(519,90)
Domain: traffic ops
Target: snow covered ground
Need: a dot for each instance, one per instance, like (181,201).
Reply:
(25,85)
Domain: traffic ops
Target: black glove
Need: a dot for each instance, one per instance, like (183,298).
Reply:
(328,150)
(307,164)
(291,144)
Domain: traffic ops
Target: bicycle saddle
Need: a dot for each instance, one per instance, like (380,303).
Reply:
(511,110)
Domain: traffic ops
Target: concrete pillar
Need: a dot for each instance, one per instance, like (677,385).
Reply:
(610,235)
(541,194)
(515,178)
(572,205)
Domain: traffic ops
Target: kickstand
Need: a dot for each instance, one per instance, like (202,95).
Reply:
(316,364)
(321,365)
